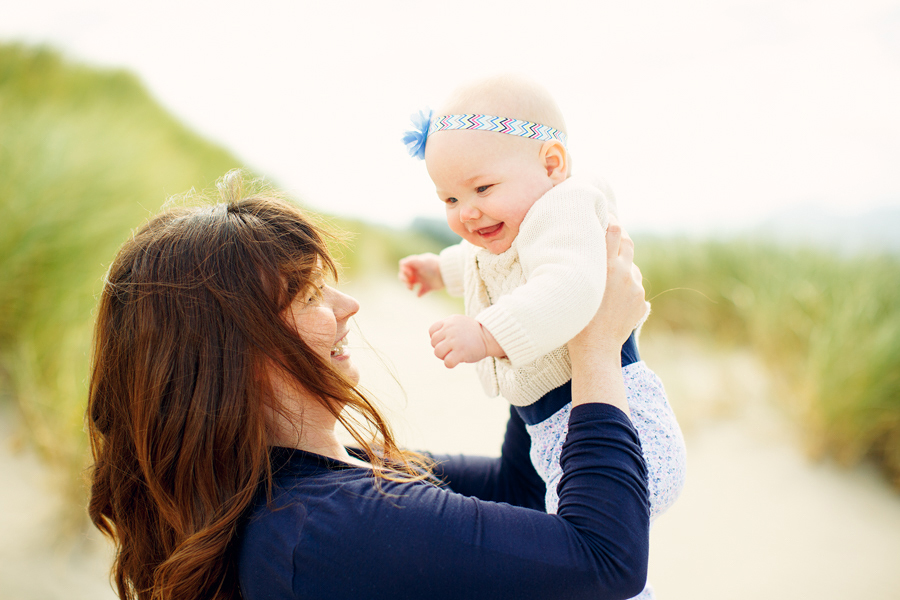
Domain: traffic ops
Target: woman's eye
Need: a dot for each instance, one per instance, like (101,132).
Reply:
(316,295)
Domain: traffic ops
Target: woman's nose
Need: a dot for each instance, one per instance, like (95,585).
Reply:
(345,306)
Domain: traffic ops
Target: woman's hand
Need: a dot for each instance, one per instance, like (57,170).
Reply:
(595,352)
(623,303)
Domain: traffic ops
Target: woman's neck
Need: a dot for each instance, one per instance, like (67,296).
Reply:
(312,428)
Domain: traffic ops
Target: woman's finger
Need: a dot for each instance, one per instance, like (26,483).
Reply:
(636,274)
(626,248)
(613,239)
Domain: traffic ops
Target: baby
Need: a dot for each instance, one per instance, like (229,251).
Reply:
(531,267)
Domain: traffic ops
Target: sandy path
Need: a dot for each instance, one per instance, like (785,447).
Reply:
(37,562)
(756,520)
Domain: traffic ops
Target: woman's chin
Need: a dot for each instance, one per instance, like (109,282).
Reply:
(345,366)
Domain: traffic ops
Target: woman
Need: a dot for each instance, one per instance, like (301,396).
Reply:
(219,379)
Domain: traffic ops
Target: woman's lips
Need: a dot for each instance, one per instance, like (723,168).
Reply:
(339,348)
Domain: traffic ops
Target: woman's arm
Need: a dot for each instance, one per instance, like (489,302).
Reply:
(595,351)
(335,535)
(510,478)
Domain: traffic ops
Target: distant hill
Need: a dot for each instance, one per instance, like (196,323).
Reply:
(435,229)
(875,231)
(86,155)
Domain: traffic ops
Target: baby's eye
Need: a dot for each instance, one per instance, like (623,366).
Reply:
(450,201)
(482,188)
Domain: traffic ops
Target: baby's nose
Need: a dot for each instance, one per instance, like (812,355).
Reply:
(469,213)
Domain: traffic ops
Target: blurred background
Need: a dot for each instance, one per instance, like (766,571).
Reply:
(753,147)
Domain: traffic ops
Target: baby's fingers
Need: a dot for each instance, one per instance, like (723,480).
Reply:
(451,359)
(434,329)
(444,352)
(406,275)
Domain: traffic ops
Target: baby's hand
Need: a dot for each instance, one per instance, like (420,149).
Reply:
(458,339)
(423,270)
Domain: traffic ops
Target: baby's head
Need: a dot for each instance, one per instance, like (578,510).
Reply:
(489,180)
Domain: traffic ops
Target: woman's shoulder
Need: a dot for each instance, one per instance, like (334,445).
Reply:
(305,484)
(311,503)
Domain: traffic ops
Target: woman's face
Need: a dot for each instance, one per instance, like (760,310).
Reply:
(322,320)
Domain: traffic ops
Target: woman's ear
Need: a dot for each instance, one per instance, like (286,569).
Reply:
(556,160)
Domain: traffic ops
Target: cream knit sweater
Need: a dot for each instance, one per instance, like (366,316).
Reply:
(540,293)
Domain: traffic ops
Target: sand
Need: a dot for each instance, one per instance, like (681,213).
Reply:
(756,519)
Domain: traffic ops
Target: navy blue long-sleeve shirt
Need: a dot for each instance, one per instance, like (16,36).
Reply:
(330,533)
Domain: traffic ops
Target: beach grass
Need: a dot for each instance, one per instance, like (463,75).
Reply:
(828,324)
(86,156)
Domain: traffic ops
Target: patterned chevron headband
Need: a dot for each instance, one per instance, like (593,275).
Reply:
(424,126)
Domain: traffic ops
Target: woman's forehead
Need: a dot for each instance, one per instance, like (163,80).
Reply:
(322,272)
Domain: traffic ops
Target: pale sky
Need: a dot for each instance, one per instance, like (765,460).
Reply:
(702,114)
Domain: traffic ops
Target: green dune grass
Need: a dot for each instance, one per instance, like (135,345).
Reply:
(86,155)
(829,324)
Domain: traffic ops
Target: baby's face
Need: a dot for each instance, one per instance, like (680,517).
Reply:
(488,181)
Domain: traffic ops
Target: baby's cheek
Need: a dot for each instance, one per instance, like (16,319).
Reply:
(456,226)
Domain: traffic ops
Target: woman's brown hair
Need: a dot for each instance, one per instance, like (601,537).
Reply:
(188,329)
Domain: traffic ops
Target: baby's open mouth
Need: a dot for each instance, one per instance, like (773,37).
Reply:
(489,231)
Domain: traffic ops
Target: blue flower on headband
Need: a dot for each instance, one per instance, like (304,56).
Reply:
(416,137)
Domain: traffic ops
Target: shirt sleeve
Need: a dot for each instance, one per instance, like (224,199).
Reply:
(407,541)
(562,249)
(510,478)
(453,260)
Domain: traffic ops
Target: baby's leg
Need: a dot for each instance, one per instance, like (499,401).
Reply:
(661,443)
(547,439)
(661,440)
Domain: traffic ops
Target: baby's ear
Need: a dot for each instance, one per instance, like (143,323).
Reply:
(556,160)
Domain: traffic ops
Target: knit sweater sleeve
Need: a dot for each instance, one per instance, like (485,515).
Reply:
(453,260)
(562,250)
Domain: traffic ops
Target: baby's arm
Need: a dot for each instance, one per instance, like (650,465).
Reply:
(423,270)
(461,339)
(561,246)
(435,272)
(457,338)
